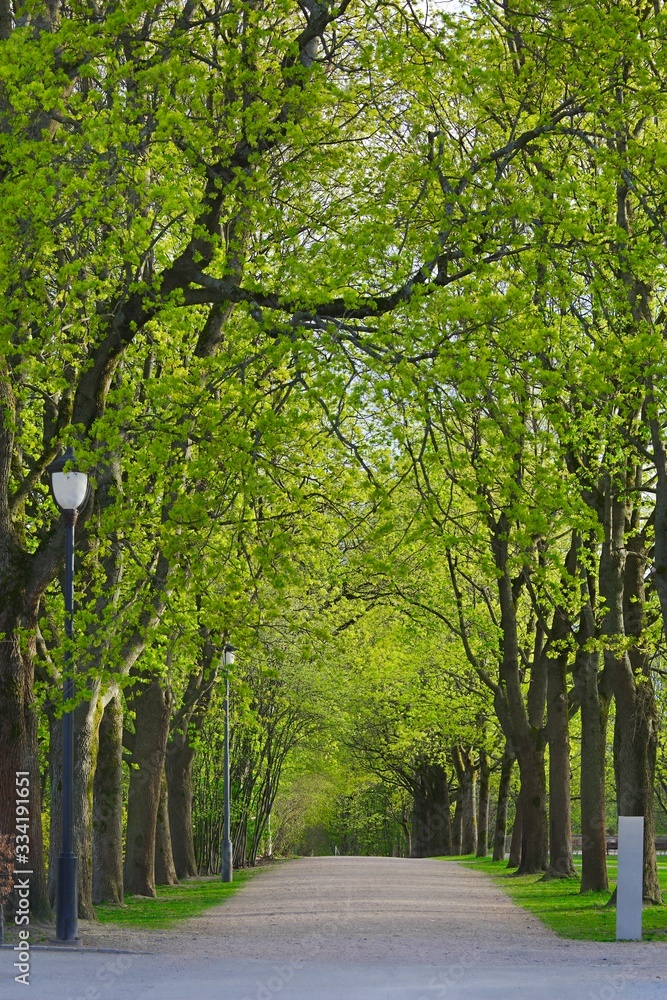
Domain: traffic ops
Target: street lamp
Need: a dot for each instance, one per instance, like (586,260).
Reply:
(227,868)
(70,491)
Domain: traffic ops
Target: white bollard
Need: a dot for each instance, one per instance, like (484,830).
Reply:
(630,878)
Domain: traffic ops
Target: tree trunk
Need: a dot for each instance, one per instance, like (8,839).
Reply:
(524,722)
(18,719)
(534,829)
(108,807)
(467,775)
(514,859)
(165,870)
(240,841)
(180,756)
(636,721)
(594,712)
(622,586)
(86,723)
(500,831)
(179,762)
(457,825)
(561,864)
(20,592)
(469,815)
(152,707)
(431,818)
(646,745)
(636,716)
(483,810)
(55,806)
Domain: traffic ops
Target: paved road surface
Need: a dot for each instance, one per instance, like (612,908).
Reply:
(353,929)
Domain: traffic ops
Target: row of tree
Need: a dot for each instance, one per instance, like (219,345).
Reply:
(351,310)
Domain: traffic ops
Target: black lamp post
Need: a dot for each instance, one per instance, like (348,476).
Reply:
(70,491)
(227,867)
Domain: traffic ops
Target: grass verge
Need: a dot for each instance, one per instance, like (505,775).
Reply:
(559,904)
(173,902)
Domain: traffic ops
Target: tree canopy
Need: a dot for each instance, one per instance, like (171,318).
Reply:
(353,312)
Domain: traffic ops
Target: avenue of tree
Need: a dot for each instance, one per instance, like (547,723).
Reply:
(354,312)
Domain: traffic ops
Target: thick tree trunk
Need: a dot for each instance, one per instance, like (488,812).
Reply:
(86,734)
(467,776)
(636,714)
(500,831)
(469,815)
(534,829)
(19,608)
(561,864)
(55,807)
(152,707)
(179,761)
(108,807)
(646,745)
(431,818)
(165,870)
(514,859)
(636,722)
(622,586)
(18,719)
(525,722)
(180,756)
(594,713)
(483,809)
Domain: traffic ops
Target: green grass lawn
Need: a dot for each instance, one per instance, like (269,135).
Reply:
(561,907)
(173,902)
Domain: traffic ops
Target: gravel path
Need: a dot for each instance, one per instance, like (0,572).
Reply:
(349,929)
(375,909)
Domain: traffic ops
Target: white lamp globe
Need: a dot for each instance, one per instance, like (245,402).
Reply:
(228,655)
(69,488)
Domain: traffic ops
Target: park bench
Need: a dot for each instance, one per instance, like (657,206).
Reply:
(612,844)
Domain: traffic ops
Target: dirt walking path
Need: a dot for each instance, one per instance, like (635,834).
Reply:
(349,929)
(357,909)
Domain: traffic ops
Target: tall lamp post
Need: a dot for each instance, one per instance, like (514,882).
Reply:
(70,491)
(227,868)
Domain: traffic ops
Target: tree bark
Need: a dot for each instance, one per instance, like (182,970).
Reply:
(637,717)
(87,717)
(240,841)
(525,722)
(23,579)
(165,870)
(534,830)
(561,864)
(108,807)
(635,752)
(594,714)
(467,775)
(622,585)
(457,826)
(514,859)
(18,719)
(431,817)
(152,707)
(500,831)
(179,762)
(483,810)
(180,756)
